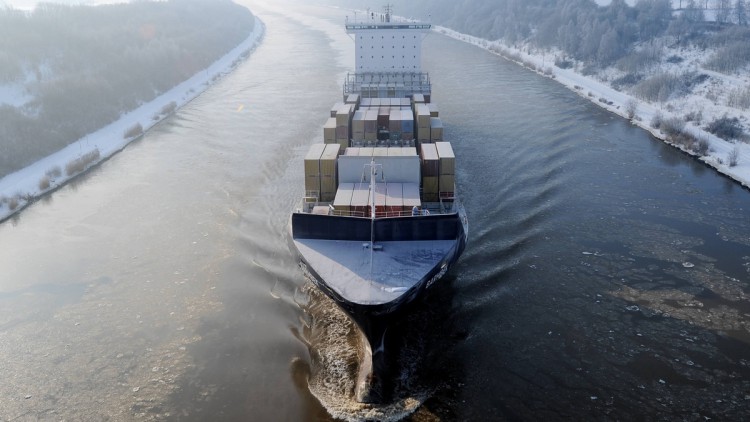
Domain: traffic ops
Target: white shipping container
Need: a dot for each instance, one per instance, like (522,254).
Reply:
(397,169)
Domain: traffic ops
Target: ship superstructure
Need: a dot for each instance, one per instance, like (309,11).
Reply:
(380,221)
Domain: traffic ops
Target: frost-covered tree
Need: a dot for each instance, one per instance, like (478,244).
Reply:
(723,11)
(693,13)
(740,12)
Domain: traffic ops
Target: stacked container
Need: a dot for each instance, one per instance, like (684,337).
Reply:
(343,199)
(384,115)
(434,111)
(352,99)
(436,129)
(343,124)
(394,199)
(371,124)
(410,196)
(394,122)
(358,125)
(447,170)
(328,179)
(407,125)
(360,199)
(430,163)
(312,170)
(422,113)
(329,131)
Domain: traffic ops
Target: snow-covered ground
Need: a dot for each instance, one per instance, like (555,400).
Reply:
(18,189)
(711,105)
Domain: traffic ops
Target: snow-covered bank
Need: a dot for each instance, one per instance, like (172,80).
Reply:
(618,102)
(19,189)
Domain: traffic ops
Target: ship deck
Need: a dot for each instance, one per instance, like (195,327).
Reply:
(362,277)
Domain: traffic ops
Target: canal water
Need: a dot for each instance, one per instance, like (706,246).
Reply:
(606,274)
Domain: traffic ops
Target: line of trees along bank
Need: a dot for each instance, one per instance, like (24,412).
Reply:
(83,66)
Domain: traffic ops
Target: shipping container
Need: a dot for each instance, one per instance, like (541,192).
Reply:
(380,152)
(351,151)
(343,199)
(352,99)
(447,185)
(430,188)
(422,114)
(342,133)
(436,129)
(430,162)
(384,114)
(395,152)
(312,169)
(312,159)
(394,200)
(344,115)
(358,122)
(329,131)
(434,110)
(361,199)
(335,108)
(411,196)
(405,102)
(365,102)
(447,158)
(394,121)
(409,151)
(371,121)
(396,169)
(407,121)
(380,197)
(328,160)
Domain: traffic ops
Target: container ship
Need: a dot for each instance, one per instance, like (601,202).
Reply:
(380,221)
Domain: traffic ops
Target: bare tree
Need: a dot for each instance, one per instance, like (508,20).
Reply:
(734,156)
(631,107)
(723,10)
(740,12)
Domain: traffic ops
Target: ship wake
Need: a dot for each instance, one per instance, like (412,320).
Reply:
(336,350)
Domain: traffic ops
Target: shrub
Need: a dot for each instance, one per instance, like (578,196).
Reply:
(133,131)
(657,88)
(730,58)
(169,108)
(626,81)
(725,128)
(702,146)
(563,64)
(672,126)
(639,60)
(739,98)
(694,116)
(79,164)
(44,183)
(13,203)
(657,120)
(734,156)
(674,59)
(589,70)
(54,172)
(631,107)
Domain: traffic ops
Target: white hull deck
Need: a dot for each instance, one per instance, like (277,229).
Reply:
(372,278)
